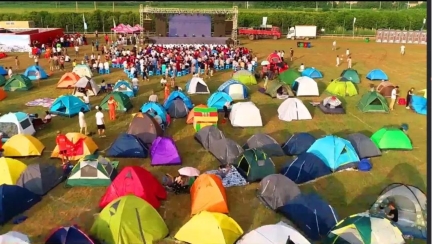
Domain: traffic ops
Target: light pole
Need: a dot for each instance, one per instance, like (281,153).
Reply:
(424,22)
(354,20)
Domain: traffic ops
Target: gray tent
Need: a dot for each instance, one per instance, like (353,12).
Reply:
(178,109)
(225,150)
(208,135)
(266,143)
(363,145)
(331,105)
(40,178)
(276,190)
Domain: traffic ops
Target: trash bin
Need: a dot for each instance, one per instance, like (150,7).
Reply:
(309,45)
(367,39)
(299,44)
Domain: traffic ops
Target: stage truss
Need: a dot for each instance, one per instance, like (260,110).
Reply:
(231,14)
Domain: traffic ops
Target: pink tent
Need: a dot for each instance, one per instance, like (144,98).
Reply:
(138,27)
(121,28)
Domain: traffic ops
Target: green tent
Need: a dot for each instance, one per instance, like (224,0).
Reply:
(373,102)
(273,86)
(289,76)
(18,83)
(391,138)
(92,170)
(254,165)
(245,77)
(351,75)
(341,88)
(2,80)
(122,100)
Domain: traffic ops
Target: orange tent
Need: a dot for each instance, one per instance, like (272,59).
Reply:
(68,80)
(208,194)
(3,94)
(190,117)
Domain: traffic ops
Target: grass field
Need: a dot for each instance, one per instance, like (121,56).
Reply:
(347,192)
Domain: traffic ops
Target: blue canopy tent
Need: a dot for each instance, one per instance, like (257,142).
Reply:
(124,87)
(335,152)
(312,73)
(377,74)
(298,143)
(178,95)
(235,89)
(127,146)
(218,100)
(3,71)
(419,104)
(311,214)
(30,72)
(304,168)
(151,107)
(15,200)
(68,235)
(68,105)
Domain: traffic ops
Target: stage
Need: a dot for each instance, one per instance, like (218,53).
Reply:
(189,40)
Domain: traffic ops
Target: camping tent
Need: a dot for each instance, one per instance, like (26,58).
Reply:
(362,228)
(225,150)
(306,167)
(82,70)
(419,104)
(342,88)
(137,181)
(178,104)
(254,165)
(275,59)
(152,107)
(15,200)
(245,114)
(68,80)
(164,152)
(40,178)
(197,86)
(279,233)
(3,71)
(276,190)
(293,109)
(377,74)
(373,102)
(145,127)
(218,100)
(92,171)
(351,75)
(298,143)
(131,220)
(122,100)
(82,146)
(305,86)
(331,105)
(2,80)
(10,170)
(363,145)
(335,152)
(30,72)
(14,237)
(311,214)
(312,73)
(88,85)
(127,146)
(207,227)
(68,105)
(289,76)
(266,143)
(245,77)
(274,87)
(124,87)
(190,117)
(208,135)
(208,194)
(22,145)
(391,139)
(16,123)
(70,234)
(3,55)
(235,89)
(18,83)
(385,88)
(3,94)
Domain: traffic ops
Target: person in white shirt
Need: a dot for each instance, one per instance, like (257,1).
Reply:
(153,97)
(163,81)
(337,60)
(82,122)
(393,97)
(334,46)
(106,65)
(101,66)
(226,108)
(87,100)
(347,53)
(402,50)
(10,72)
(301,68)
(135,82)
(100,122)
(47,117)
(67,58)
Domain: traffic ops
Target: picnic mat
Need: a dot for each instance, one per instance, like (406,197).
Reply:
(232,178)
(43,102)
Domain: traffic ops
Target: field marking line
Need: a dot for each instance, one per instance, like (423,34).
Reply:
(360,120)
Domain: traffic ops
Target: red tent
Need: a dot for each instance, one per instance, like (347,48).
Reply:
(274,59)
(3,55)
(137,181)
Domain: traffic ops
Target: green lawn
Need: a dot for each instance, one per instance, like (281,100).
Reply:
(347,192)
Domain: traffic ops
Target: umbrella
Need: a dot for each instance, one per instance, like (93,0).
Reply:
(265,62)
(189,171)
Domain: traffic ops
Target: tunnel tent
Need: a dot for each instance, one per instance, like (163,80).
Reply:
(31,73)
(40,178)
(83,70)
(208,135)
(276,190)
(18,83)
(145,128)
(218,100)
(274,87)
(123,101)
(266,143)
(235,89)
(197,86)
(88,84)
(373,102)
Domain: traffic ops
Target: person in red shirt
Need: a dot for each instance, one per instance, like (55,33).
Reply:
(63,143)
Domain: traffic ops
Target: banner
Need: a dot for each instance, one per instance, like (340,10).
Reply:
(14,43)
(264,21)
(85,24)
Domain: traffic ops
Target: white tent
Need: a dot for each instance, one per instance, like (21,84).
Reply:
(293,109)
(88,84)
(245,114)
(197,86)
(16,123)
(306,87)
(82,70)
(14,237)
(273,234)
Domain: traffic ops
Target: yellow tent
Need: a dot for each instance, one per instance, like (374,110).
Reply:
(424,91)
(88,146)
(21,145)
(207,227)
(127,220)
(10,170)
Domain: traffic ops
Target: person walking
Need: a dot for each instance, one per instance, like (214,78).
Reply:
(349,61)
(337,61)
(402,50)
(409,97)
(100,122)
(393,97)
(17,63)
(82,122)
(334,46)
(112,106)
(291,54)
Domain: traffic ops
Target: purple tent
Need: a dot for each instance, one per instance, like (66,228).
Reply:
(164,152)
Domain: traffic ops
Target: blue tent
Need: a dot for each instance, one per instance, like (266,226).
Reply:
(178,95)
(127,146)
(311,214)
(15,200)
(124,87)
(298,143)
(419,104)
(152,107)
(304,168)
(30,72)
(68,105)
(218,100)
(377,74)
(3,71)
(335,152)
(235,89)
(68,235)
(312,73)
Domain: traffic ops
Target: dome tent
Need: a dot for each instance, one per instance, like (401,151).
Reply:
(293,109)
(87,83)
(124,87)
(152,107)
(225,150)
(31,73)
(70,234)
(274,87)
(266,143)
(164,152)
(377,74)
(312,73)
(385,88)
(373,102)
(276,190)
(122,100)
(254,165)
(245,114)
(68,105)
(18,83)
(306,167)
(331,105)
(197,86)
(298,143)
(218,100)
(245,77)
(363,145)
(127,146)
(279,233)
(289,76)
(83,70)
(351,75)
(342,88)
(235,89)
(40,178)
(305,86)
(68,80)
(145,128)
(178,104)
(14,237)
(208,135)
(391,139)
